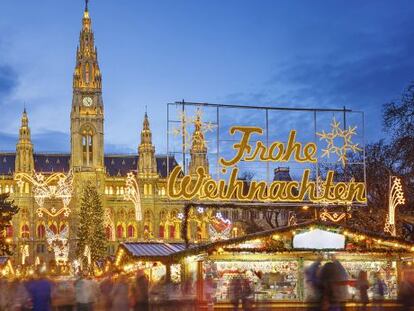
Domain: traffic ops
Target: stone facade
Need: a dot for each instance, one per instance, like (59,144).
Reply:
(87,162)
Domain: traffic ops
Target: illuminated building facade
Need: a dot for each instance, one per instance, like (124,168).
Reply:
(87,162)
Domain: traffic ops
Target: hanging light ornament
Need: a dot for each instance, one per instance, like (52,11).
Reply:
(132,194)
(57,185)
(396,197)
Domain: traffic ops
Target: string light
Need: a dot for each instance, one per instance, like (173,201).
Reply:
(396,198)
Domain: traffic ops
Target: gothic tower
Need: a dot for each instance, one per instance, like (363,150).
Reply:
(87,116)
(147,165)
(24,162)
(198,150)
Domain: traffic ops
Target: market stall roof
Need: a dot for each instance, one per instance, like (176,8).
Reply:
(383,240)
(155,251)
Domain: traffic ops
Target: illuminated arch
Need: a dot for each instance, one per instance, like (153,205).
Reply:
(41,231)
(25,231)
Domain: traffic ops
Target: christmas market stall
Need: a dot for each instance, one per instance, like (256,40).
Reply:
(154,258)
(6,267)
(275,261)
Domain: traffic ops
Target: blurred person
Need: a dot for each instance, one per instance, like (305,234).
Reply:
(19,296)
(106,287)
(406,291)
(141,292)
(246,294)
(330,294)
(40,291)
(120,294)
(63,295)
(341,283)
(4,294)
(362,285)
(379,290)
(235,292)
(313,282)
(85,293)
(209,292)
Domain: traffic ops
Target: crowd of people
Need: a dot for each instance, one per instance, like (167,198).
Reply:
(84,293)
(328,284)
(327,287)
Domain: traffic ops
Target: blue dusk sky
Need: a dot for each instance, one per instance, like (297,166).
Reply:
(326,54)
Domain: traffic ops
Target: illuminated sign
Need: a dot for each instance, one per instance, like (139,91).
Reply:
(200,186)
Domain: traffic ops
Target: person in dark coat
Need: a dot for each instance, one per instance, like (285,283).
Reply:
(362,286)
(40,291)
(141,292)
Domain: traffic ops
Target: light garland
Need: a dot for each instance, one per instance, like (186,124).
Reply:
(334,216)
(183,131)
(132,194)
(396,198)
(59,243)
(57,185)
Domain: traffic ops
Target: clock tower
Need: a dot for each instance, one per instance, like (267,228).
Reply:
(87,116)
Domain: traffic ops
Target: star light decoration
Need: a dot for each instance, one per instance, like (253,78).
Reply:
(182,130)
(337,132)
(56,185)
(396,197)
(59,243)
(132,194)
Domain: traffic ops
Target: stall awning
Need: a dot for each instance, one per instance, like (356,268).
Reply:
(146,249)
(3,260)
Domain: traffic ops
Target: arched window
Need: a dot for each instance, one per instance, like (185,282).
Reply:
(172,231)
(25,234)
(108,231)
(41,230)
(131,231)
(119,231)
(9,231)
(161,231)
(62,227)
(87,146)
(53,228)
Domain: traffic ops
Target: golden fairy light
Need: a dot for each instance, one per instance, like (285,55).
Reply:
(338,133)
(56,185)
(132,194)
(396,198)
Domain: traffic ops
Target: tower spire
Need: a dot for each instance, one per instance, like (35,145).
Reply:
(147,165)
(86,5)
(24,148)
(198,151)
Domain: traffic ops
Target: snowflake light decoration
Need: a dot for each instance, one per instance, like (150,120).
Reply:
(183,130)
(132,194)
(337,132)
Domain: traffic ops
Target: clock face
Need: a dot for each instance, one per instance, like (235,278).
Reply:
(87,101)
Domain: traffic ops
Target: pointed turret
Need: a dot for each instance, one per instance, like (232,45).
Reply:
(24,148)
(198,150)
(87,116)
(87,74)
(147,165)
